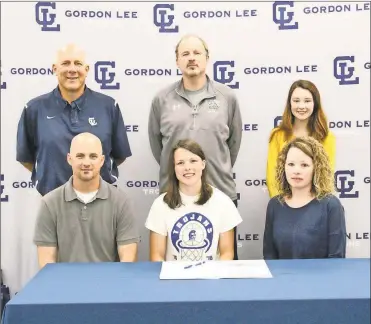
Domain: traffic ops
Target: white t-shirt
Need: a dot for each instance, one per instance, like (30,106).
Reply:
(86,197)
(193,230)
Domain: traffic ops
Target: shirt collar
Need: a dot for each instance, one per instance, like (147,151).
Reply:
(210,91)
(78,103)
(70,194)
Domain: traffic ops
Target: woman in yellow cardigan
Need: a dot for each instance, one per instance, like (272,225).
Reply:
(303,116)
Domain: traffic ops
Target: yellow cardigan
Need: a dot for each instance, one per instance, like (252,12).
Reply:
(276,145)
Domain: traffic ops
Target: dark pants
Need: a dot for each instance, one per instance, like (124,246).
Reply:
(235,237)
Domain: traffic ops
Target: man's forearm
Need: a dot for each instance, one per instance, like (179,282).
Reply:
(45,261)
(128,253)
(46,255)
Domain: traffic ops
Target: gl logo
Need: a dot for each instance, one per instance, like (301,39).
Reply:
(44,18)
(4,198)
(282,16)
(238,194)
(2,84)
(163,19)
(223,75)
(344,185)
(277,121)
(343,72)
(103,77)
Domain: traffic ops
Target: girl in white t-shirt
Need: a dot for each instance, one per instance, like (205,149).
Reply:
(192,221)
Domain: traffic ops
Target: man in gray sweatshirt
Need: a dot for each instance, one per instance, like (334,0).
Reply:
(201,109)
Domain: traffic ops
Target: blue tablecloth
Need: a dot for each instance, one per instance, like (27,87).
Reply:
(333,291)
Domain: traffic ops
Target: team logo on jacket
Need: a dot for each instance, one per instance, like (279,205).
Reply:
(192,236)
(213,105)
(92,121)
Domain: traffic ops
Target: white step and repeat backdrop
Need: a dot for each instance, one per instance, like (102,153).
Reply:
(258,49)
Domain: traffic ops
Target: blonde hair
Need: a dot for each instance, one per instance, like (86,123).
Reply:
(323,178)
(190,36)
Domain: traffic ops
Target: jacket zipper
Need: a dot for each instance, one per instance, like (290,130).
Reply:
(195,108)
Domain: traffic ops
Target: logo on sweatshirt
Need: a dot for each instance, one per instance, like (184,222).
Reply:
(213,105)
(192,236)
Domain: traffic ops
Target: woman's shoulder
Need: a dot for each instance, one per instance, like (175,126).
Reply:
(331,200)
(219,196)
(276,131)
(159,200)
(330,138)
(277,134)
(275,201)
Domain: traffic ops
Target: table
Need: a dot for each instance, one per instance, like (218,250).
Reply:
(333,291)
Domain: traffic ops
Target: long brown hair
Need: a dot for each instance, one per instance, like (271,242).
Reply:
(172,197)
(323,178)
(317,125)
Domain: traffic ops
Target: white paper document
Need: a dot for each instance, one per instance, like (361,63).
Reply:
(215,269)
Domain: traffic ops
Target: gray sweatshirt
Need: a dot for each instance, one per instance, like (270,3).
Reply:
(215,123)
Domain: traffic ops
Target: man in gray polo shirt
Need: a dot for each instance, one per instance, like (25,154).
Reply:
(197,108)
(86,219)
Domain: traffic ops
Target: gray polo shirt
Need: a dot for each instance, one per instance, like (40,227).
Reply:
(86,232)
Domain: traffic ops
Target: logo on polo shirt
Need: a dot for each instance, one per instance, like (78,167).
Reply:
(92,121)
(45,16)
(192,236)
